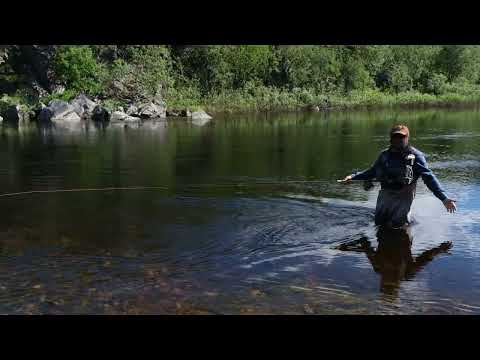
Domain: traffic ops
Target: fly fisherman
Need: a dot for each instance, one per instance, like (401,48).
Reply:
(398,169)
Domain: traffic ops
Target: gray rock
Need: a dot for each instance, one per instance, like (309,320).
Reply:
(152,110)
(118,116)
(83,105)
(200,115)
(132,110)
(60,109)
(100,114)
(1,119)
(70,117)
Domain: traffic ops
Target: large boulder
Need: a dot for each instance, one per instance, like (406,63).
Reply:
(200,115)
(83,105)
(61,111)
(152,110)
(100,114)
(119,116)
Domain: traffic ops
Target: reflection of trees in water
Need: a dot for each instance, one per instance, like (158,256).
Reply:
(393,259)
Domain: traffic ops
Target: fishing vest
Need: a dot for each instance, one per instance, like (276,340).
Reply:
(397,175)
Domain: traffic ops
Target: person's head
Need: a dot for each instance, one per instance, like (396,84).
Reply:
(399,135)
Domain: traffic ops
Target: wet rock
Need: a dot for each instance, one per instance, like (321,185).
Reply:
(152,110)
(200,115)
(119,116)
(100,114)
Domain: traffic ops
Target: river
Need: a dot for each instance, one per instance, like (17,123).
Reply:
(246,217)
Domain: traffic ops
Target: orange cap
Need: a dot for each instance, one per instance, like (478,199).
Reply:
(400,129)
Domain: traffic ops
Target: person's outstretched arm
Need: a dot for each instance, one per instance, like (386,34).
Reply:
(432,183)
(368,174)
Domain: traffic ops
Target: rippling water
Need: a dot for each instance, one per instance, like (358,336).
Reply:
(248,219)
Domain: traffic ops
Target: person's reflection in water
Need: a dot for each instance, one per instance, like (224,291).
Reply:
(393,259)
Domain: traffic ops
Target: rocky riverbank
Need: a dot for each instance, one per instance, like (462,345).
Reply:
(83,109)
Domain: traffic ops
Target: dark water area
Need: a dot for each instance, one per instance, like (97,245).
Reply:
(247,219)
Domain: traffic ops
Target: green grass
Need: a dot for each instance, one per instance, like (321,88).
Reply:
(262,98)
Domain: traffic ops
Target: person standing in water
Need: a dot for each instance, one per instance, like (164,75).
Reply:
(398,169)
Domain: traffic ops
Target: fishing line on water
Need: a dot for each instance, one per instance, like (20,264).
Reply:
(29,192)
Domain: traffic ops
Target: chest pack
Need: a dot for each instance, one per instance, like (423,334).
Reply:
(398,171)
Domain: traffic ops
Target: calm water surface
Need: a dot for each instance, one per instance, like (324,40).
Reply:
(249,219)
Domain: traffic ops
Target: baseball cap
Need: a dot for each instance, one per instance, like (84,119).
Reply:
(400,129)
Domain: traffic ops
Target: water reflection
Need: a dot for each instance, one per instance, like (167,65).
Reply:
(393,259)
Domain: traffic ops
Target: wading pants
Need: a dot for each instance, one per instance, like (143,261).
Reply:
(393,206)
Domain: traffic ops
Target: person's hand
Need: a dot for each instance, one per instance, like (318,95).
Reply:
(445,246)
(347,179)
(450,205)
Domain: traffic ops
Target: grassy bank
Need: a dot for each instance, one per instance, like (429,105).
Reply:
(272,99)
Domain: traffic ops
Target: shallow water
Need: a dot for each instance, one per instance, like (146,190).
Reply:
(249,218)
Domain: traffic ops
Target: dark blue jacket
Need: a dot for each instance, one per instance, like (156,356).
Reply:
(390,163)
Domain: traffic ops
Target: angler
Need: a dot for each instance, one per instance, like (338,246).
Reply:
(398,169)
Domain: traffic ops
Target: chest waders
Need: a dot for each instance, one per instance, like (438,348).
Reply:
(396,196)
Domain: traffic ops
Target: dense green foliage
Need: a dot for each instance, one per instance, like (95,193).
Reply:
(267,76)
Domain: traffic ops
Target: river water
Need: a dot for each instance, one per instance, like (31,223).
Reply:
(247,218)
